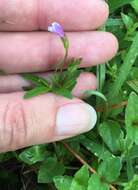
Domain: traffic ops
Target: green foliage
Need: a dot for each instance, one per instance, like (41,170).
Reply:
(133,184)
(96,183)
(96,93)
(134,4)
(118,3)
(97,149)
(49,169)
(80,180)
(112,135)
(131,118)
(129,61)
(134,85)
(33,154)
(36,91)
(110,169)
(111,148)
(63,182)
(61,83)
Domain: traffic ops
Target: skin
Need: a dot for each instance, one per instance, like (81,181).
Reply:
(26,46)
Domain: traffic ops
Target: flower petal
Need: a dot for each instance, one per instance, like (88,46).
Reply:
(57,29)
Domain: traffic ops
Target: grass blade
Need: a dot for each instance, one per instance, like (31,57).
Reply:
(125,68)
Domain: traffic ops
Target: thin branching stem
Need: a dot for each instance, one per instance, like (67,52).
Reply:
(112,107)
(81,160)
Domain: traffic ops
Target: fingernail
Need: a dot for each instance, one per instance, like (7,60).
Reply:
(73,119)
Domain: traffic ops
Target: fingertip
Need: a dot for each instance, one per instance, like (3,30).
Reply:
(113,46)
(104,13)
(73,119)
(86,81)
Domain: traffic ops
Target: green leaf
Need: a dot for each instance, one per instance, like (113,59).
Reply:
(110,169)
(130,169)
(96,93)
(101,74)
(131,118)
(5,156)
(37,80)
(63,92)
(133,152)
(95,183)
(33,154)
(62,182)
(80,180)
(128,62)
(128,21)
(115,4)
(134,4)
(112,22)
(36,91)
(70,84)
(97,149)
(133,184)
(134,85)
(49,169)
(71,74)
(73,65)
(112,135)
(133,75)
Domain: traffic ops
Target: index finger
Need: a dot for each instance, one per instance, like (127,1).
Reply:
(76,15)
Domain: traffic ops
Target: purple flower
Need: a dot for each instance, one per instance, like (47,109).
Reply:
(57,29)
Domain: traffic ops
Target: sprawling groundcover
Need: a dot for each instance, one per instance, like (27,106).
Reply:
(106,157)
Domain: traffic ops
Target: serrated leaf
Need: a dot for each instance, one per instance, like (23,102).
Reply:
(112,135)
(62,182)
(131,118)
(33,154)
(73,65)
(70,84)
(63,92)
(71,75)
(80,180)
(36,91)
(110,169)
(95,183)
(49,169)
(37,80)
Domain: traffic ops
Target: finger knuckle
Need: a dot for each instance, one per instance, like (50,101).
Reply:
(14,126)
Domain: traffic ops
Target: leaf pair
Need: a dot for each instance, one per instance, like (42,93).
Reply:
(60,83)
(81,181)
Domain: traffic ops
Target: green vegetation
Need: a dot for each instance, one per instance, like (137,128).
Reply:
(106,157)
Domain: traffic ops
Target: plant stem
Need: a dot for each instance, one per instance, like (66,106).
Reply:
(83,161)
(112,107)
(64,60)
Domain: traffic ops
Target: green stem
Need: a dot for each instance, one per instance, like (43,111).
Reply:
(64,60)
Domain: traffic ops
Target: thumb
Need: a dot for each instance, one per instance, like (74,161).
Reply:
(42,119)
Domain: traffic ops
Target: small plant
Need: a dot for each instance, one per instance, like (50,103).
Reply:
(105,158)
(62,81)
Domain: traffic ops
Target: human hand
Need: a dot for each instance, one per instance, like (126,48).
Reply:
(24,48)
